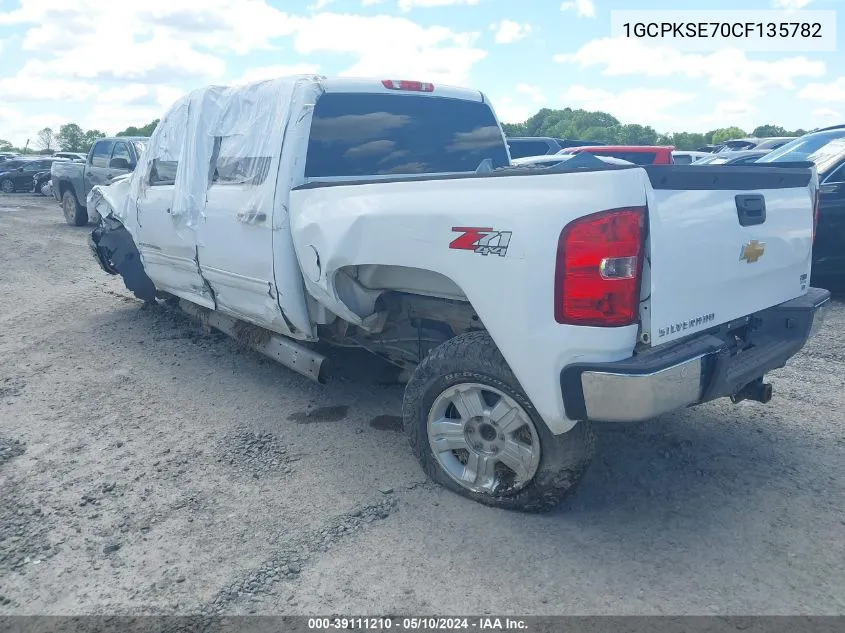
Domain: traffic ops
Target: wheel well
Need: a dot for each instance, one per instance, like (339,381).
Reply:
(405,279)
(404,328)
(64,186)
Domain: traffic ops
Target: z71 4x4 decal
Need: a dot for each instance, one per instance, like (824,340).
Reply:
(484,241)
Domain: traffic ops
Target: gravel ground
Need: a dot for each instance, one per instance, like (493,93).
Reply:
(146,467)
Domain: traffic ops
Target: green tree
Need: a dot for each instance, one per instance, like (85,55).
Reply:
(145,130)
(601,126)
(6,146)
(633,134)
(683,140)
(511,129)
(71,138)
(727,133)
(88,139)
(769,130)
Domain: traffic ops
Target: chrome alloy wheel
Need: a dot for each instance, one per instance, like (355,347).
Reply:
(483,439)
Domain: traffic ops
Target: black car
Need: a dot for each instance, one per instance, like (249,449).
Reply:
(826,149)
(16,175)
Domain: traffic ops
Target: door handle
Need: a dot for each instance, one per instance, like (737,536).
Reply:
(252,216)
(750,209)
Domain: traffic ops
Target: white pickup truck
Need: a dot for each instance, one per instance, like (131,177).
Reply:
(520,303)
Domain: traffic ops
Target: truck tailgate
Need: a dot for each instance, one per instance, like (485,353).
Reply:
(724,242)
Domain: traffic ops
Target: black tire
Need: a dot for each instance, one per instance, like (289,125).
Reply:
(474,358)
(8,186)
(75,214)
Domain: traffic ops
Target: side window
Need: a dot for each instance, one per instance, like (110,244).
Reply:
(163,172)
(102,153)
(232,168)
(121,150)
(838,175)
(682,159)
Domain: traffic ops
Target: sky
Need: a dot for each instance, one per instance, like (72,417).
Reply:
(108,64)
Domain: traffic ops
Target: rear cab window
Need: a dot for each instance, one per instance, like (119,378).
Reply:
(372,134)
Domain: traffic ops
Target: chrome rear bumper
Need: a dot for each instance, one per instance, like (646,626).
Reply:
(616,397)
(694,371)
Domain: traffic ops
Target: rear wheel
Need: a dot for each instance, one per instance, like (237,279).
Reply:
(7,186)
(475,431)
(75,214)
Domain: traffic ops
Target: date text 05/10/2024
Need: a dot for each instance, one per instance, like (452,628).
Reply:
(418,624)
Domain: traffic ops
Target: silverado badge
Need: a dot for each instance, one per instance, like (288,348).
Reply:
(752,251)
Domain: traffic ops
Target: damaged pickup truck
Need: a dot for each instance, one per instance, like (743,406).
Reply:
(521,304)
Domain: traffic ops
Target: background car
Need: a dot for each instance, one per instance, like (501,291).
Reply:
(768,142)
(826,149)
(709,149)
(558,159)
(524,146)
(742,157)
(16,175)
(684,157)
(637,154)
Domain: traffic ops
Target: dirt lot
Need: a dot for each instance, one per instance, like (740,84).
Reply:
(146,467)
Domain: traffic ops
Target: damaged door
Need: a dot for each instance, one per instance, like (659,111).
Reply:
(168,247)
(235,238)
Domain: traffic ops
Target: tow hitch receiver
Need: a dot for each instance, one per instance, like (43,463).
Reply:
(758,391)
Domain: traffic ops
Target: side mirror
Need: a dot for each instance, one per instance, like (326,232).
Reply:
(119,163)
(834,187)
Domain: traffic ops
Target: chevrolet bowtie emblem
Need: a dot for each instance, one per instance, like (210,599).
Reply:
(752,251)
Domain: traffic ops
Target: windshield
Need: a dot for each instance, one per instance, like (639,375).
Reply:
(812,147)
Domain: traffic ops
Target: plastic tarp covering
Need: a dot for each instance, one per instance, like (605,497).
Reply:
(216,134)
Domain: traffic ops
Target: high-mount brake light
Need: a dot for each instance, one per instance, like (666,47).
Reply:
(411,86)
(599,268)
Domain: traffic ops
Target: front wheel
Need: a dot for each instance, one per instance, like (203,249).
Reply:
(475,431)
(75,214)
(7,186)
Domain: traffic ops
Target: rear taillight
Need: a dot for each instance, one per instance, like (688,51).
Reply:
(402,84)
(599,266)
(816,205)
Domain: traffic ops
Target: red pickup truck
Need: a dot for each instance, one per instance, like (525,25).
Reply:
(637,154)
